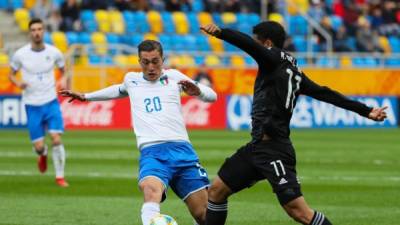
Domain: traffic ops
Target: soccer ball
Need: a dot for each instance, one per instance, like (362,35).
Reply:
(163,220)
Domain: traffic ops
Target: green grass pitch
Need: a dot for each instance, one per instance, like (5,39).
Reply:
(351,175)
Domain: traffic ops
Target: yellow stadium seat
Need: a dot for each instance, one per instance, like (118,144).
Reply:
(345,61)
(103,20)
(276,17)
(150,36)
(117,22)
(133,60)
(204,18)
(302,5)
(29,3)
(121,60)
(228,18)
(100,42)
(175,60)
(181,22)
(60,41)
(23,25)
(21,14)
(216,44)
(212,60)
(237,60)
(187,60)
(384,42)
(155,22)
(3,59)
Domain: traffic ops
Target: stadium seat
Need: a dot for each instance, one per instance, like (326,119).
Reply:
(112,38)
(384,42)
(133,39)
(103,20)
(117,22)
(3,4)
(254,19)
(155,21)
(345,61)
(22,17)
(47,38)
(204,18)
(229,19)
(300,43)
(392,62)
(181,22)
(190,42)
(141,22)
(88,21)
(133,60)
(3,59)
(217,19)
(16,4)
(212,60)
(28,4)
(166,41)
(199,60)
(187,60)
(394,44)
(150,36)
(297,25)
(336,22)
(178,42)
(84,38)
(121,60)
(216,44)
(100,42)
(193,23)
(202,43)
(168,23)
(197,6)
(60,41)
(303,5)
(237,60)
(276,17)
(72,38)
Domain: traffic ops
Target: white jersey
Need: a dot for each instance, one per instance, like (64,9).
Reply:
(156,107)
(37,68)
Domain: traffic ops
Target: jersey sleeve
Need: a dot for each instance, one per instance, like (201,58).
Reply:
(328,95)
(59,58)
(246,43)
(15,62)
(108,93)
(207,94)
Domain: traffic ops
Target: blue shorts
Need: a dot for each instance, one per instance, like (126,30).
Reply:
(40,118)
(176,165)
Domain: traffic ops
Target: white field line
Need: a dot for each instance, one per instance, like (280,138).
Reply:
(135,175)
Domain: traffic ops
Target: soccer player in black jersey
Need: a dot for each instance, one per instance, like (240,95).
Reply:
(270,154)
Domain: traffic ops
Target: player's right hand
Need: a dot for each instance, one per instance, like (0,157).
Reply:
(211,29)
(22,85)
(378,114)
(73,96)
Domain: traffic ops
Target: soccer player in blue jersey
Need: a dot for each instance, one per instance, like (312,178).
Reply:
(36,61)
(167,157)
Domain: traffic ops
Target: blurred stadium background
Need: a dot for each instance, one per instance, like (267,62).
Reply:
(350,171)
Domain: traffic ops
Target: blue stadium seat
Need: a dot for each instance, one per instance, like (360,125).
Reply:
(300,43)
(217,19)
(168,23)
(178,42)
(84,38)
(88,21)
(297,25)
(301,61)
(16,4)
(130,23)
(3,4)
(202,43)
(47,38)
(165,39)
(197,6)
(230,48)
(190,42)
(392,62)
(250,61)
(72,37)
(336,22)
(199,60)
(327,62)
(112,38)
(193,23)
(141,20)
(394,44)
(134,40)
(245,27)
(94,59)
(254,19)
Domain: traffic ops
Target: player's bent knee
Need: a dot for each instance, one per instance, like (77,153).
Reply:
(287,195)
(152,190)
(56,139)
(219,191)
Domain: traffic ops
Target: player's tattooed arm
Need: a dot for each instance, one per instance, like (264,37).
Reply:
(72,95)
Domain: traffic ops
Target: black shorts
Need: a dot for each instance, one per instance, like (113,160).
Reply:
(271,160)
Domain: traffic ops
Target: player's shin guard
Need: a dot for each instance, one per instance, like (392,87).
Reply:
(59,160)
(319,219)
(149,210)
(216,213)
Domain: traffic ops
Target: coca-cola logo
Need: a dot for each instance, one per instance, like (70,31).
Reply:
(87,113)
(196,112)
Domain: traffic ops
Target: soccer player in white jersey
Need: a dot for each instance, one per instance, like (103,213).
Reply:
(36,61)
(167,157)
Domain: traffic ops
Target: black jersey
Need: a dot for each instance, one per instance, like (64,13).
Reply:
(278,83)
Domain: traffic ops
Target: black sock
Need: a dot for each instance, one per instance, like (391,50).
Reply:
(216,213)
(319,219)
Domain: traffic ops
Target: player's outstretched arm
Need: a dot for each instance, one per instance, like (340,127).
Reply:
(72,95)
(203,92)
(108,93)
(242,41)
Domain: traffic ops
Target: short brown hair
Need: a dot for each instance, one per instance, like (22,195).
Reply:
(33,21)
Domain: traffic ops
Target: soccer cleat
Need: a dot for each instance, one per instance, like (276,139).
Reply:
(61,182)
(42,163)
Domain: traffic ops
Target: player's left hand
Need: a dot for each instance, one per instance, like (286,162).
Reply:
(189,88)
(73,95)
(378,114)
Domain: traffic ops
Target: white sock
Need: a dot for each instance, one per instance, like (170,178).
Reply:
(149,210)
(59,160)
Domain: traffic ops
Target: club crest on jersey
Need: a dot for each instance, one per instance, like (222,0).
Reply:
(164,80)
